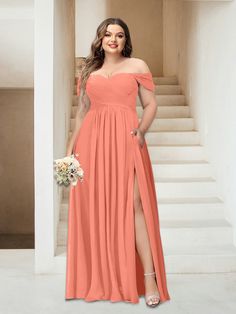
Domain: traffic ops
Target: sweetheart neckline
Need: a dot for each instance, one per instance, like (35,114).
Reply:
(130,73)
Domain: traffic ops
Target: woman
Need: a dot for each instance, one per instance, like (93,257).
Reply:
(114,249)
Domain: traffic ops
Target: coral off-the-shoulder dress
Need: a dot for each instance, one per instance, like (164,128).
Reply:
(102,259)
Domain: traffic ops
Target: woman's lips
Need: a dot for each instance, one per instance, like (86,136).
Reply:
(113,46)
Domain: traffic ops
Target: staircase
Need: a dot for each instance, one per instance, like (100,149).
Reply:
(195,235)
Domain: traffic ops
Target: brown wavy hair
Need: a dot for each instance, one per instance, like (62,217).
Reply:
(95,59)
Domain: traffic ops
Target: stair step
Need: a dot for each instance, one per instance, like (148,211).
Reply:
(182,169)
(201,259)
(194,224)
(159,153)
(172,137)
(171,124)
(181,162)
(190,200)
(199,250)
(194,233)
(188,209)
(168,90)
(184,180)
(168,112)
(167,100)
(179,189)
(165,80)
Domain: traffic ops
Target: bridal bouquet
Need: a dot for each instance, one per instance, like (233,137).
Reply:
(68,170)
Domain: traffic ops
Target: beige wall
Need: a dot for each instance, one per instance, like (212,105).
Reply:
(172,13)
(16,161)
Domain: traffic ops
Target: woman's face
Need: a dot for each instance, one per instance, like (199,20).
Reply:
(114,39)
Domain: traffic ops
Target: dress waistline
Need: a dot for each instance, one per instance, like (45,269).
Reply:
(99,106)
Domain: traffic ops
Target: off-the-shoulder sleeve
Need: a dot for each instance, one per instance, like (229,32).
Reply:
(146,80)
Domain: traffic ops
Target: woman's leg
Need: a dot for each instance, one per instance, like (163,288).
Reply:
(142,241)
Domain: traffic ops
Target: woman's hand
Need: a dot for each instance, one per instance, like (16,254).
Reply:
(69,152)
(140,136)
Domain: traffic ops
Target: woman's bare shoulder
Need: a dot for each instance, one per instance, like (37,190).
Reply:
(139,65)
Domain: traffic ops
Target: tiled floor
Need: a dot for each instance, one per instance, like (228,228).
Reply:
(23,292)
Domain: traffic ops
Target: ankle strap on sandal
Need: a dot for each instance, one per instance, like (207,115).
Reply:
(146,274)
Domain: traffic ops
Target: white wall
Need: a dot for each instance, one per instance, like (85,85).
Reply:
(54,83)
(207,71)
(43,135)
(17,43)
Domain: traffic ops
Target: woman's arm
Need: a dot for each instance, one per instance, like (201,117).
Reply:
(82,109)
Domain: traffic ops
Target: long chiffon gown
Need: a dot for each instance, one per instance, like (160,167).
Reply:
(102,259)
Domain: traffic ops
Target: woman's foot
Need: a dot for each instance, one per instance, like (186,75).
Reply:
(152,296)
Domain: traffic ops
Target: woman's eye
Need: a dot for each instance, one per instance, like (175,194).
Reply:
(120,36)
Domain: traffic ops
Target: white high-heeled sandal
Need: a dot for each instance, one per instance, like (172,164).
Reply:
(149,297)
